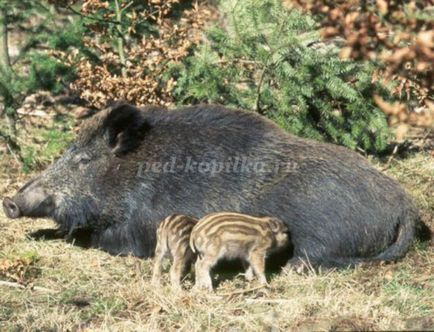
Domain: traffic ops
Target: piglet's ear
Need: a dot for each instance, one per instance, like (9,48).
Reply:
(125,127)
(277,225)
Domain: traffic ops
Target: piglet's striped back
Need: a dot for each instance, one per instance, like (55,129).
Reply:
(175,226)
(231,224)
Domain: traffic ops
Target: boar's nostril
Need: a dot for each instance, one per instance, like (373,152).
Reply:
(10,208)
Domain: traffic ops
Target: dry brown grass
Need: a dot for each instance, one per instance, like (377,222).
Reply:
(87,289)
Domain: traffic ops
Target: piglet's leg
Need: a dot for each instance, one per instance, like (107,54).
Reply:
(248,274)
(203,268)
(257,263)
(176,272)
(158,261)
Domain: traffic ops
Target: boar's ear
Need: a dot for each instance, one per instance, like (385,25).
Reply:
(125,127)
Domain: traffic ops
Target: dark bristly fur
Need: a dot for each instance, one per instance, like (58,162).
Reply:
(173,239)
(340,211)
(229,235)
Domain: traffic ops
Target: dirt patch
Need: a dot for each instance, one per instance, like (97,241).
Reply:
(420,324)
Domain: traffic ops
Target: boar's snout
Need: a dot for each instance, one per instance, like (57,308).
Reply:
(31,200)
(11,209)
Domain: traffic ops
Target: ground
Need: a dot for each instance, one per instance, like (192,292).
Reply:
(54,285)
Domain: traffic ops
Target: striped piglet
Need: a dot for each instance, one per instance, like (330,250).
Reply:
(233,235)
(173,236)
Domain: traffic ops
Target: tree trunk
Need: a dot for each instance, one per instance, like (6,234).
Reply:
(120,40)
(5,60)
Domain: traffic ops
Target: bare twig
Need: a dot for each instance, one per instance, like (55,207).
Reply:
(91,17)
(225,61)
(258,91)
(13,147)
(11,284)
(243,291)
(125,7)
(11,151)
(17,285)
(394,152)
(276,301)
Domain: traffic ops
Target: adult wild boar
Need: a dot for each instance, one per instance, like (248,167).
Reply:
(129,168)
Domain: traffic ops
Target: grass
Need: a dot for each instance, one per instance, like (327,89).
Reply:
(71,288)
(55,141)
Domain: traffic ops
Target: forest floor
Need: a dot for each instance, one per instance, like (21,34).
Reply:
(55,285)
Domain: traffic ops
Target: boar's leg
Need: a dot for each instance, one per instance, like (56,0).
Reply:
(257,263)
(48,234)
(297,264)
(79,237)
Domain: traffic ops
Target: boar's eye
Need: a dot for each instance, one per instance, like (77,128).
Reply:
(82,158)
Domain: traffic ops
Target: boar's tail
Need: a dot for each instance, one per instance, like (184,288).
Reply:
(405,233)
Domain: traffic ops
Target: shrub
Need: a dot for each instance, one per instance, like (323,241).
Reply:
(129,46)
(271,60)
